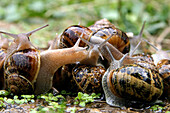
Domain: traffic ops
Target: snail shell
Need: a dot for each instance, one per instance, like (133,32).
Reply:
(119,41)
(62,77)
(101,24)
(88,78)
(164,71)
(143,57)
(18,84)
(132,84)
(21,70)
(22,63)
(103,28)
(79,77)
(71,34)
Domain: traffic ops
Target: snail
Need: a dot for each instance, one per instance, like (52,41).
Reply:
(50,61)
(4,43)
(162,61)
(22,64)
(132,84)
(114,51)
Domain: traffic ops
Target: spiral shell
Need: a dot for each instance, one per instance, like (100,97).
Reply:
(88,78)
(79,77)
(71,34)
(132,84)
(120,40)
(21,69)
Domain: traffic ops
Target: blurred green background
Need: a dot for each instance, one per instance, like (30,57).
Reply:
(128,15)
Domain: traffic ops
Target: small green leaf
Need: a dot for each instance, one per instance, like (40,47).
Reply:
(82,104)
(10,101)
(22,101)
(4,93)
(50,94)
(45,109)
(15,97)
(17,101)
(76,102)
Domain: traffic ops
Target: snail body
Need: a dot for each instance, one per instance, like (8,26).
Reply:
(52,60)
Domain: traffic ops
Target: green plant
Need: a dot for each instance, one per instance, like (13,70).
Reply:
(4,93)
(82,99)
(157,108)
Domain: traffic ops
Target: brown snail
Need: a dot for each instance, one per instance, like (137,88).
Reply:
(129,84)
(22,64)
(88,78)
(50,61)
(132,84)
(114,51)
(4,43)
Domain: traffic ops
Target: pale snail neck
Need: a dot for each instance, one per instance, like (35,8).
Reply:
(51,60)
